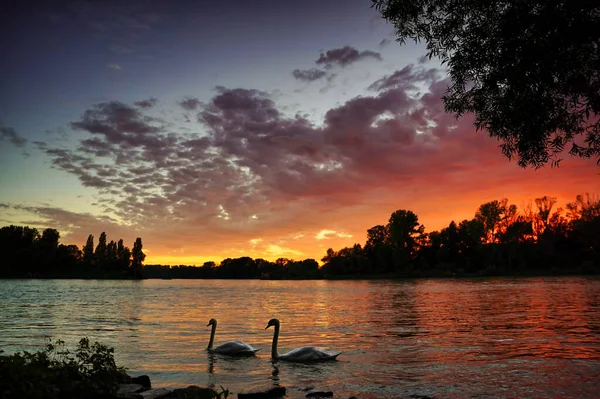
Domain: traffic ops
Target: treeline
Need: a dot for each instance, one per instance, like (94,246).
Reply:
(27,254)
(241,268)
(500,239)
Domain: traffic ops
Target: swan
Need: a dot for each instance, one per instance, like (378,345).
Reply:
(303,354)
(231,348)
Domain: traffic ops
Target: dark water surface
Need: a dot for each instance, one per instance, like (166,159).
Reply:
(484,338)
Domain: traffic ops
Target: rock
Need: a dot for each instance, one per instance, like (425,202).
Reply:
(273,393)
(143,380)
(153,393)
(129,390)
(192,392)
(320,394)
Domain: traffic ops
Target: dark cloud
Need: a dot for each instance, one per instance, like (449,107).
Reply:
(406,78)
(190,104)
(8,133)
(423,59)
(149,103)
(345,56)
(384,42)
(308,75)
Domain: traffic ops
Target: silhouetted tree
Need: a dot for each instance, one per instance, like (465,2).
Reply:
(124,256)
(112,257)
(585,207)
(378,248)
(17,245)
(100,254)
(88,251)
(527,70)
(47,247)
(404,230)
(137,258)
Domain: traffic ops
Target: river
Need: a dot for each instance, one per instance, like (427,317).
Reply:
(458,338)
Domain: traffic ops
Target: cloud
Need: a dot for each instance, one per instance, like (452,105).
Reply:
(190,104)
(8,133)
(384,43)
(116,67)
(327,234)
(149,103)
(406,78)
(345,56)
(308,75)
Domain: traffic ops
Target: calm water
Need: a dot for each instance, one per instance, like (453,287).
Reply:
(492,338)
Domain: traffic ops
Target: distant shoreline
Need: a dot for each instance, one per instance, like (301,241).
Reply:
(394,276)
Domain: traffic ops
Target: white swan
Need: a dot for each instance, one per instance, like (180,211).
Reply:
(231,348)
(303,354)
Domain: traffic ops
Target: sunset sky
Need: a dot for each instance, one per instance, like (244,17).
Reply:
(230,128)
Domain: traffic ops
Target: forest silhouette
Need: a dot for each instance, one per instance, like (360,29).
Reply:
(500,239)
(27,254)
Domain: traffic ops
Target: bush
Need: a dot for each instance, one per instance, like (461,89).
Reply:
(54,373)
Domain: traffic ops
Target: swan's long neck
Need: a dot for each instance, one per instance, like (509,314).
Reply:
(212,336)
(274,354)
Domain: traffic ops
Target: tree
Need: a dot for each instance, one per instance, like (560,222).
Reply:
(494,216)
(137,258)
(101,250)
(49,239)
(584,207)
(88,251)
(528,70)
(124,256)
(377,248)
(112,257)
(404,230)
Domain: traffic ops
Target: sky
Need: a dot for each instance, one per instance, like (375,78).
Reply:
(237,128)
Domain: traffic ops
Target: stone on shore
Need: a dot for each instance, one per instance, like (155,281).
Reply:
(143,380)
(274,393)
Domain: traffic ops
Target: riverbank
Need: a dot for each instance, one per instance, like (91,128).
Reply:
(91,372)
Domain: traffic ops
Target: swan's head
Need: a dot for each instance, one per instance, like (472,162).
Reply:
(272,322)
(212,322)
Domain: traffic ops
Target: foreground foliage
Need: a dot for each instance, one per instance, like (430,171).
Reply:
(57,373)
(528,70)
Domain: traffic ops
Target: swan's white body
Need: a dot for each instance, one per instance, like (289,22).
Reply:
(303,354)
(231,348)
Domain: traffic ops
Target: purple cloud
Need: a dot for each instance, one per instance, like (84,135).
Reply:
(345,56)
(190,104)
(149,103)
(308,75)
(250,158)
(406,78)
(384,42)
